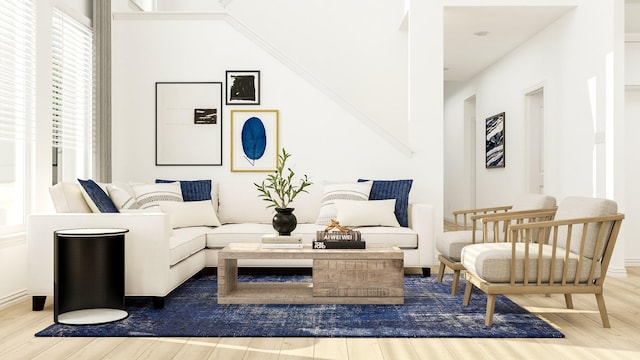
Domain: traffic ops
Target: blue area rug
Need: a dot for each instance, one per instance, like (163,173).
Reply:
(429,311)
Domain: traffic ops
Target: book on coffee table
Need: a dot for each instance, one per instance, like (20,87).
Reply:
(281,239)
(275,241)
(329,244)
(282,246)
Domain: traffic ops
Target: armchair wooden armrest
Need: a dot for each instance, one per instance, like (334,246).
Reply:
(468,213)
(497,225)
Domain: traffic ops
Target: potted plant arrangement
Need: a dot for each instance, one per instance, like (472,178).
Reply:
(279,190)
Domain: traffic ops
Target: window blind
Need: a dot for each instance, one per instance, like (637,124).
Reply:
(17,107)
(17,79)
(73,88)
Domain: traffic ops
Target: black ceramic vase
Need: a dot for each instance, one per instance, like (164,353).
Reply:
(284,222)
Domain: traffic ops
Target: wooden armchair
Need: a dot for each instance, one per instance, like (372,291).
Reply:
(568,255)
(449,244)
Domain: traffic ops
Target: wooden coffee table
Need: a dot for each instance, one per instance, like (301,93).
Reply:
(369,276)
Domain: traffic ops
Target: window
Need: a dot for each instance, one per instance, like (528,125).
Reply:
(73,100)
(17,107)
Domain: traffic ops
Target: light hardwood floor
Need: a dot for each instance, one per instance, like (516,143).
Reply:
(585,337)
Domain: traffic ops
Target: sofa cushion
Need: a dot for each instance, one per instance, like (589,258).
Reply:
(402,237)
(192,190)
(186,242)
(148,195)
(358,191)
(67,198)
(222,236)
(393,189)
(307,204)
(366,213)
(239,203)
(191,213)
(96,196)
(219,237)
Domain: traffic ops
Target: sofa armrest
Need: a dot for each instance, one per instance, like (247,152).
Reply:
(146,249)
(421,219)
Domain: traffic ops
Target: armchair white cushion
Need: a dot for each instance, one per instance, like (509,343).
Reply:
(567,255)
(450,244)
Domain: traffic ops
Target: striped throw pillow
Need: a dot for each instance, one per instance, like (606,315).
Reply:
(342,191)
(148,195)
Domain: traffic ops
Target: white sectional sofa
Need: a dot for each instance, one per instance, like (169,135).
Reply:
(166,246)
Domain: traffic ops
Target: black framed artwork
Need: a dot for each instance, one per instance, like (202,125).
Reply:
(243,87)
(188,123)
(495,141)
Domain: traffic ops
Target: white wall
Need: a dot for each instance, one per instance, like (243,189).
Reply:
(632,129)
(355,47)
(632,211)
(327,142)
(565,58)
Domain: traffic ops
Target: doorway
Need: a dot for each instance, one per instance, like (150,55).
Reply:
(470,149)
(534,118)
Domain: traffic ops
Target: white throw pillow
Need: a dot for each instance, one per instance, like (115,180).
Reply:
(148,195)
(122,198)
(357,191)
(67,198)
(366,213)
(190,213)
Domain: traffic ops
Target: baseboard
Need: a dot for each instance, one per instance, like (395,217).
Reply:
(617,272)
(632,262)
(13,299)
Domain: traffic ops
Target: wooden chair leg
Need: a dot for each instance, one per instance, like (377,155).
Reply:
(491,305)
(441,271)
(467,294)
(603,311)
(568,300)
(456,281)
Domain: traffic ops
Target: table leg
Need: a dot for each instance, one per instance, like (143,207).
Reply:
(227,276)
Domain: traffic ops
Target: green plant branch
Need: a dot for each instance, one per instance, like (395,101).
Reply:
(279,190)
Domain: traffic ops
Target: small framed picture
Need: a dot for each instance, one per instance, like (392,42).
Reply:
(495,141)
(243,87)
(254,140)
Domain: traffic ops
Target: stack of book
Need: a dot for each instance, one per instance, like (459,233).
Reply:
(348,239)
(281,242)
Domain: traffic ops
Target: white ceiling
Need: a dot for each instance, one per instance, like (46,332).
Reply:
(466,54)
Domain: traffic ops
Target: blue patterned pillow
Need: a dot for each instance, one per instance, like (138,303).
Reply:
(97,198)
(192,190)
(393,189)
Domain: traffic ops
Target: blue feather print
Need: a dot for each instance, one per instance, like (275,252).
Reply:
(254,139)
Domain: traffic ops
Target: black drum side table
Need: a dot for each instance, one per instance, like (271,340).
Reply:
(88,285)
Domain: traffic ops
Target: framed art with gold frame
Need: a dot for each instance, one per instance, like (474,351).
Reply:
(254,140)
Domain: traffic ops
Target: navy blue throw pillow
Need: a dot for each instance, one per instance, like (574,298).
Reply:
(100,198)
(393,189)
(192,190)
